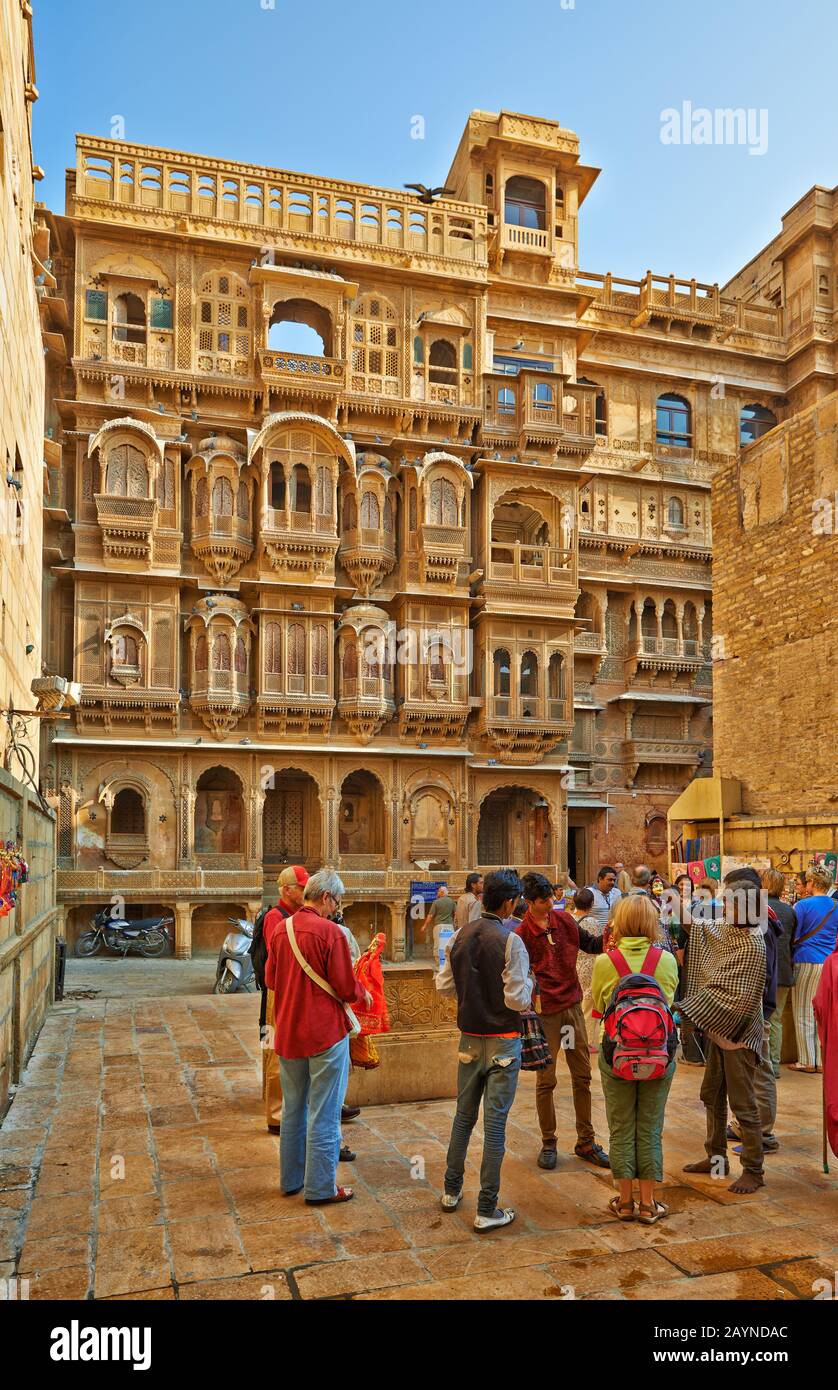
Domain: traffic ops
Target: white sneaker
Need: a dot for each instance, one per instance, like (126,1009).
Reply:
(502,1217)
(451,1200)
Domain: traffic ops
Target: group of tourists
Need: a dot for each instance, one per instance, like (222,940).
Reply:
(719,960)
(627,969)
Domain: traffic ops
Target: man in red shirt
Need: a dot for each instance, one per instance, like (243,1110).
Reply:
(311,1037)
(553,941)
(291,883)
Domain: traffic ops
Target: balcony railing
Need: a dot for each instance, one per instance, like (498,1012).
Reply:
(588,642)
(534,564)
(301,369)
(222,528)
(687,647)
(273,200)
(528,709)
(298,523)
(366,688)
(516,238)
(369,539)
(690,300)
(224,684)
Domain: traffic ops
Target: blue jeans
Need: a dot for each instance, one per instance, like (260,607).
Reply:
(488,1071)
(313,1089)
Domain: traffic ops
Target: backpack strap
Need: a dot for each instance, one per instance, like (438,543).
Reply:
(652,960)
(619,962)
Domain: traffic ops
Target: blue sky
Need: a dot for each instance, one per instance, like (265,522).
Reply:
(331,88)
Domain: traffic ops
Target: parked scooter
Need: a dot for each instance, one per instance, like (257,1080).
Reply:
(234,971)
(148,935)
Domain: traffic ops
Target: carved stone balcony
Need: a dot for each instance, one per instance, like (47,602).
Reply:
(540,408)
(524,728)
(538,574)
(673,654)
(442,550)
(105,708)
(439,711)
(298,372)
(222,544)
(127,525)
(515,238)
(366,704)
(367,555)
(286,715)
(299,545)
(221,698)
(666,752)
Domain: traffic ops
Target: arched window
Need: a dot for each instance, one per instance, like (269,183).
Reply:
(674,422)
(442,503)
(376,343)
(296,650)
(690,630)
(437,661)
(350,513)
(241,656)
(243,502)
(126,474)
(201,660)
(277,483)
(201,498)
(542,395)
(221,653)
(373,650)
(555,677)
(124,649)
(669,621)
(128,813)
(442,362)
(128,319)
(350,661)
(300,489)
(300,326)
(222,497)
(323,492)
(501,679)
(524,203)
(675,512)
(506,400)
(418,350)
(529,674)
(319,651)
(273,650)
(388,516)
(224,323)
(370,514)
(754,422)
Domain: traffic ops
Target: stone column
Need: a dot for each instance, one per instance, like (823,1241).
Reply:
(186,827)
(183,931)
(256,803)
(659,617)
(398,937)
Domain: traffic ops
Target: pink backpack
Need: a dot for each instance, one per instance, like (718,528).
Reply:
(639,1037)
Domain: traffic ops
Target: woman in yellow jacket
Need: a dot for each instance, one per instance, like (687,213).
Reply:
(635,1109)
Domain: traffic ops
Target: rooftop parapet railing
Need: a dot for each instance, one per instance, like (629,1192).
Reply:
(690,299)
(273,200)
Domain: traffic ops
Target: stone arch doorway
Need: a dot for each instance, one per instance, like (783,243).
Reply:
(514,829)
(361,827)
(219,815)
(292,822)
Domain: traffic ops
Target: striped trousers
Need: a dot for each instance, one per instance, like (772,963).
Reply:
(806,980)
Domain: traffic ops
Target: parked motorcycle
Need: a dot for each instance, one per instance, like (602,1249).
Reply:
(147,935)
(234,971)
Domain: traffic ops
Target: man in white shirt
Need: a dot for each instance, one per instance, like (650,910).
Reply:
(470,902)
(606,894)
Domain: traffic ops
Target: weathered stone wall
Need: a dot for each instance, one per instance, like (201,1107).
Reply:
(775,581)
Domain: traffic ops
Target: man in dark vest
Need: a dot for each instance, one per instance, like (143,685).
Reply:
(487,968)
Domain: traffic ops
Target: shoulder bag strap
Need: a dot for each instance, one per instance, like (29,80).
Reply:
(354,1025)
(652,960)
(619,962)
(801,941)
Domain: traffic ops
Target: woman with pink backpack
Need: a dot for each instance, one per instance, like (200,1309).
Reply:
(633,987)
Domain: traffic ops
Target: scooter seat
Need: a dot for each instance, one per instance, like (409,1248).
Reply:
(137,924)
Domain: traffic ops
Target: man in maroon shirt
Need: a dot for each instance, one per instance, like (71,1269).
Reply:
(553,941)
(311,1037)
(291,883)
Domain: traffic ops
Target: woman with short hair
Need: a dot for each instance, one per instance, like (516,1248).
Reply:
(814,939)
(635,1109)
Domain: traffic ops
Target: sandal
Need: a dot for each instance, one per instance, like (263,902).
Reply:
(652,1214)
(343,1194)
(621,1213)
(798,1066)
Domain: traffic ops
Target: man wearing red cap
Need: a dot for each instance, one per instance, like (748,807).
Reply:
(291,883)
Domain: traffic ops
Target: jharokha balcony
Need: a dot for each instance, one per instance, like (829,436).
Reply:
(222,543)
(127,525)
(367,554)
(299,544)
(539,408)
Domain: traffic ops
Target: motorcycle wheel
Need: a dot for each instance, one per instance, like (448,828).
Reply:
(227,984)
(88,944)
(154,944)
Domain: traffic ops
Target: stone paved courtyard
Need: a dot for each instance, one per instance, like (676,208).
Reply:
(134,1163)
